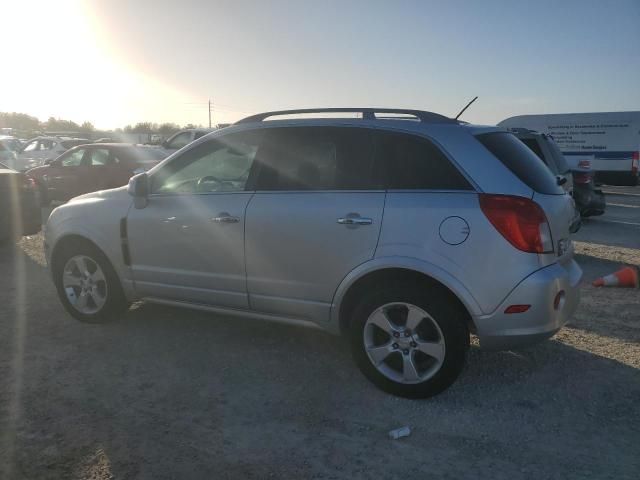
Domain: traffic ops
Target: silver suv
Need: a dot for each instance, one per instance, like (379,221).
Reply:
(403,230)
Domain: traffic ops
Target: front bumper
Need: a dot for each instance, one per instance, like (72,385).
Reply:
(501,331)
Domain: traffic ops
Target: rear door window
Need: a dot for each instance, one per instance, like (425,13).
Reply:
(415,163)
(318,158)
(522,162)
(99,157)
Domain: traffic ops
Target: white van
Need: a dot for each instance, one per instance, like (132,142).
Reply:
(610,141)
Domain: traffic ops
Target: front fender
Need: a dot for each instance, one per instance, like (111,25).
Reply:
(99,223)
(408,263)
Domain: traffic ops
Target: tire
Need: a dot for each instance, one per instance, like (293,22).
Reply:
(105,300)
(444,325)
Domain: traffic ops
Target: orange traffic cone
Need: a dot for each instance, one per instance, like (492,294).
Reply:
(626,277)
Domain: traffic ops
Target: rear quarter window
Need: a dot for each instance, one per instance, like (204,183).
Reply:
(415,163)
(522,162)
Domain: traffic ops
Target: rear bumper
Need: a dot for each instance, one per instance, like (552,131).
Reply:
(501,331)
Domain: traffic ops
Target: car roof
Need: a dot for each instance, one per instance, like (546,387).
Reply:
(199,130)
(118,145)
(57,138)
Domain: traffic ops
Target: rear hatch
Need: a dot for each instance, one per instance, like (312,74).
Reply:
(556,203)
(560,212)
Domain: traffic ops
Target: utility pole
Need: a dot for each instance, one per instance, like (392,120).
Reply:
(209,113)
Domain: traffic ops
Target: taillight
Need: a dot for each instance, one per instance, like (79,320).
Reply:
(582,178)
(519,220)
(29,183)
(635,159)
(584,164)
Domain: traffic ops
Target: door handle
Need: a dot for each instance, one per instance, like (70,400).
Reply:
(355,221)
(225,218)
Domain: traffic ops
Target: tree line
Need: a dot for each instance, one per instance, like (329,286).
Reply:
(31,125)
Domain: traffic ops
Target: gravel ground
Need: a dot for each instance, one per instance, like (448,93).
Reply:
(166,393)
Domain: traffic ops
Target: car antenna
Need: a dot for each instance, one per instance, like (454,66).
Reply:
(467,106)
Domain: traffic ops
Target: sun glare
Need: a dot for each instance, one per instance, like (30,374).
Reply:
(61,66)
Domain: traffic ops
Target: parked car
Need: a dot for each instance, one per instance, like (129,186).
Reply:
(11,143)
(184,137)
(91,167)
(7,155)
(19,205)
(580,180)
(403,234)
(40,149)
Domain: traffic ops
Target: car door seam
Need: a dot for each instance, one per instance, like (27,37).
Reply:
(244,249)
(384,205)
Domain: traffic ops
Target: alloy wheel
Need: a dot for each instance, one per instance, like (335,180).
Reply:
(404,343)
(84,284)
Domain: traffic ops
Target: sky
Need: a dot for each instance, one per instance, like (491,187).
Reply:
(118,62)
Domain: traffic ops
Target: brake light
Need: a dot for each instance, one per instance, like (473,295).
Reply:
(584,164)
(582,178)
(635,159)
(519,220)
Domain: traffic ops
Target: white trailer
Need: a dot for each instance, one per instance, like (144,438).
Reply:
(609,140)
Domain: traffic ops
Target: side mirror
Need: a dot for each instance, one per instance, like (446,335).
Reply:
(164,144)
(50,161)
(139,189)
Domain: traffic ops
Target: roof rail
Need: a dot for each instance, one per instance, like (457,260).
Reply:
(367,114)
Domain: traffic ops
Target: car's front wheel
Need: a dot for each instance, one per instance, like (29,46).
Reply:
(408,340)
(87,284)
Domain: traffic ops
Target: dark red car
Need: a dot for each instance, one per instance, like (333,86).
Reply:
(93,167)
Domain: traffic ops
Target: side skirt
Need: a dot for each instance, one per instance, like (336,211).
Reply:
(234,312)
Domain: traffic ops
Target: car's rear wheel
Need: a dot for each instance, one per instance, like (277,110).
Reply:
(87,284)
(409,341)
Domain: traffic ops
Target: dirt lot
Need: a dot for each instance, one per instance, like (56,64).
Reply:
(167,393)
